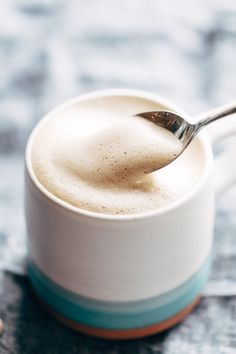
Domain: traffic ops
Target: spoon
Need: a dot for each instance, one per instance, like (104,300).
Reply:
(181,128)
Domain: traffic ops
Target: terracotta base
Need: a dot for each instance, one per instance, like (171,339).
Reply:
(125,334)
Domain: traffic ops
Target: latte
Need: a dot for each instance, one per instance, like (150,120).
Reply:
(97,156)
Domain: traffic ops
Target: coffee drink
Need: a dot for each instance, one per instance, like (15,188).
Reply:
(96,155)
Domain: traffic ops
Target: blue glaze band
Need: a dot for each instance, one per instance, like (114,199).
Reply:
(121,315)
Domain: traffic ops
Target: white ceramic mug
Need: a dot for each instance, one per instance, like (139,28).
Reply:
(122,276)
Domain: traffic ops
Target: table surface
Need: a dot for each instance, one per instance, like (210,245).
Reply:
(51,50)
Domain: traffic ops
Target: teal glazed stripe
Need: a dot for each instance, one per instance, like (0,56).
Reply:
(121,315)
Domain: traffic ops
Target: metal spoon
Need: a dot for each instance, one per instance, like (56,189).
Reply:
(182,129)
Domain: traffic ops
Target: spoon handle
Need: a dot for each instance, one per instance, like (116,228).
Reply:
(213,115)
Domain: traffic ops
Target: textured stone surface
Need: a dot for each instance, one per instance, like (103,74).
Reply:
(29,329)
(51,50)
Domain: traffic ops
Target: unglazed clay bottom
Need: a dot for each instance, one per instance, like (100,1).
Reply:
(129,333)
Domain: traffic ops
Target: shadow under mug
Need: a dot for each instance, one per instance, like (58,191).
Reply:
(124,276)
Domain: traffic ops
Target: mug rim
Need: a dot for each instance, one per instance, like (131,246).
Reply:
(205,142)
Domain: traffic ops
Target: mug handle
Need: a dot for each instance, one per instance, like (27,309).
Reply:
(224,165)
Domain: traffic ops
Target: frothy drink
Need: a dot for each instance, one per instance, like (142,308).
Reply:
(97,156)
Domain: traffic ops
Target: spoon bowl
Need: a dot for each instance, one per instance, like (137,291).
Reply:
(181,128)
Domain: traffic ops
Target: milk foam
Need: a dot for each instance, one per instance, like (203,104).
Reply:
(95,155)
(123,152)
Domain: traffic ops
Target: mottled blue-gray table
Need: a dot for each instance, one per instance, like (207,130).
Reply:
(51,50)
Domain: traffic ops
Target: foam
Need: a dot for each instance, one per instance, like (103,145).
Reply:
(96,156)
(123,152)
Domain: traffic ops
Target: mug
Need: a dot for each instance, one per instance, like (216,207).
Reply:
(123,276)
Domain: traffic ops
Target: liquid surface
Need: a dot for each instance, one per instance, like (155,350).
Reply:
(95,155)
